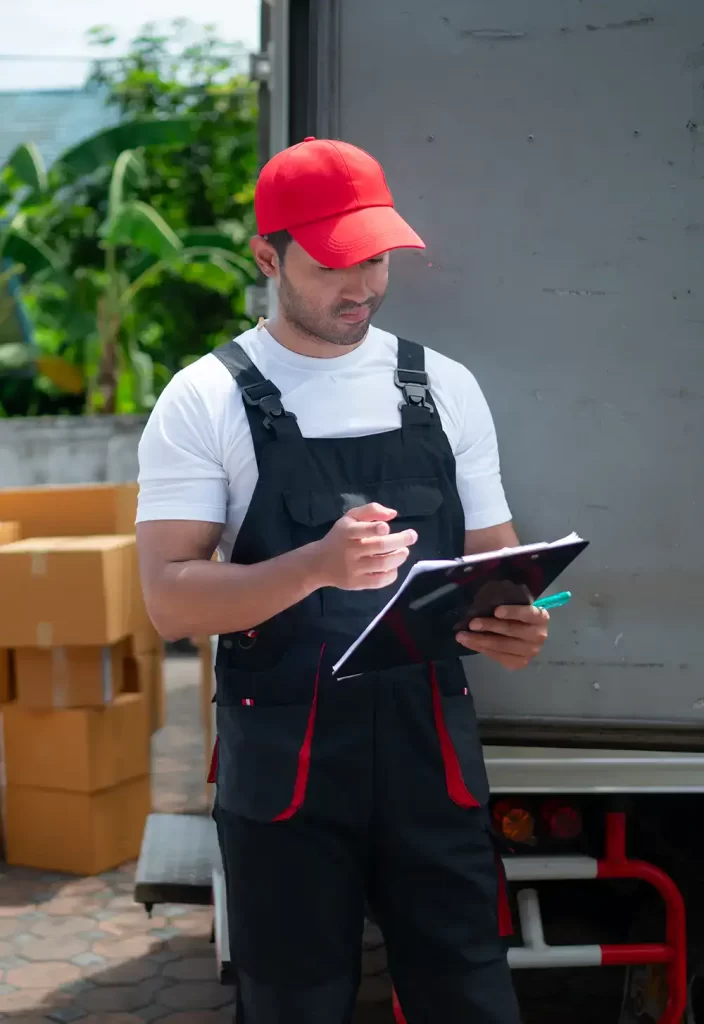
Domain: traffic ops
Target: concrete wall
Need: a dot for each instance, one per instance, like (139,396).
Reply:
(69,450)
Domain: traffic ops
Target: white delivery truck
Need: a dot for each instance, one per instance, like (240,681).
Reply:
(551,154)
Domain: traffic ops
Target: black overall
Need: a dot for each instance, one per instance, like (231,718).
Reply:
(336,795)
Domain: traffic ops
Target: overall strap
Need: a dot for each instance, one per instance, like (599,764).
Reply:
(417,407)
(262,399)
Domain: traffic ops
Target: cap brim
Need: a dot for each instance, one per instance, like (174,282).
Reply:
(350,238)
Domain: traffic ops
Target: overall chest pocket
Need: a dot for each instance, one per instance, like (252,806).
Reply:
(418,502)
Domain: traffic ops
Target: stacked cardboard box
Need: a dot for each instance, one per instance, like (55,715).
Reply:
(77,785)
(77,510)
(82,664)
(64,609)
(9,532)
(7,682)
(78,675)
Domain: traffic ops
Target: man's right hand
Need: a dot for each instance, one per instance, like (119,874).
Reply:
(360,552)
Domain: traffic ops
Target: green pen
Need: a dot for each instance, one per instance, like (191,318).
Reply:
(555,601)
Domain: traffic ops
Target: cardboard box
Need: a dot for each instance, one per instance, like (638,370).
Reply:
(69,677)
(80,833)
(9,532)
(7,688)
(145,674)
(65,591)
(77,510)
(81,750)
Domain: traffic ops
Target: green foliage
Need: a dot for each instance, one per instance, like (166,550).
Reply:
(144,229)
(29,255)
(190,72)
(102,150)
(27,164)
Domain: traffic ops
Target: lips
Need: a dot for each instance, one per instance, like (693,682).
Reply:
(355,316)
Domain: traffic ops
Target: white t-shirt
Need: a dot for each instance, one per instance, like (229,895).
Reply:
(196,458)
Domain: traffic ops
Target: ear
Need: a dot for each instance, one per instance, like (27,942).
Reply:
(265,256)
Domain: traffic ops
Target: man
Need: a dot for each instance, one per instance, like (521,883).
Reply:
(322,456)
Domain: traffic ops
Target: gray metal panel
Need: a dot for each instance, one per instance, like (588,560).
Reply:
(556,770)
(326,25)
(551,155)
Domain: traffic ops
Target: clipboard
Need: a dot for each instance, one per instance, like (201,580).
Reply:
(439,598)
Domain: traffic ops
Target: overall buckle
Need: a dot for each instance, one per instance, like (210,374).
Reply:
(415,387)
(267,397)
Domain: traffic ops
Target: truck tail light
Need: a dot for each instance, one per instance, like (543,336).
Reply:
(562,820)
(514,821)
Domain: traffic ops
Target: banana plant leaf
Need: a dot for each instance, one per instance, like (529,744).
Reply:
(30,253)
(138,225)
(27,163)
(105,147)
(200,246)
(218,242)
(136,387)
(128,167)
(217,274)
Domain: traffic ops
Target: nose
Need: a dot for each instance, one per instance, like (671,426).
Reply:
(356,288)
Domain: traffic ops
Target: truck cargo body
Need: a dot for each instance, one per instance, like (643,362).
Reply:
(551,155)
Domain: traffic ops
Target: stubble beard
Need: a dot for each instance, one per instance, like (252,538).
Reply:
(321,327)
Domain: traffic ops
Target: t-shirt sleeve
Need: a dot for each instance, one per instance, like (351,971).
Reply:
(181,475)
(477,459)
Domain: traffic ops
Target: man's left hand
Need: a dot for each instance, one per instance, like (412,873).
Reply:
(512,637)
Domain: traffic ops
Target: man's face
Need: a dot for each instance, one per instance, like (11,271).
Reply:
(334,306)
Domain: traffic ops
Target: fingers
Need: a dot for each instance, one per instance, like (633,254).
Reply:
(512,637)
(373,512)
(384,555)
(527,613)
(383,563)
(377,580)
(495,644)
(361,530)
(519,630)
(374,545)
(511,652)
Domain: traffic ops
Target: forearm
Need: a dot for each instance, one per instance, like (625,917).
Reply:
(193,598)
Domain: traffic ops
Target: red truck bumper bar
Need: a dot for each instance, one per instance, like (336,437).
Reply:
(536,953)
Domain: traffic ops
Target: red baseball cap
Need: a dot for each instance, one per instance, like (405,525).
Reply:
(334,201)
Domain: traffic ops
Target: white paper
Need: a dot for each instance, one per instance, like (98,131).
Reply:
(422,567)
